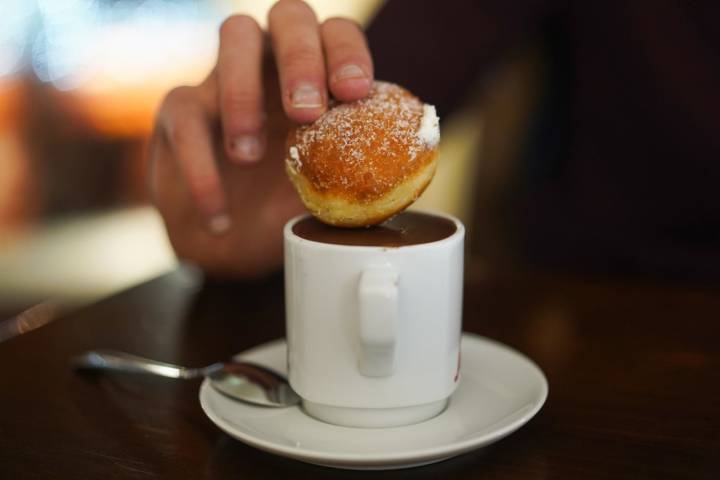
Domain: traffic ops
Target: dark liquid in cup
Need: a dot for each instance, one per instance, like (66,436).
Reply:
(406,228)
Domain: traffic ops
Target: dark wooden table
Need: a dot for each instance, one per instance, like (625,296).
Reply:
(634,372)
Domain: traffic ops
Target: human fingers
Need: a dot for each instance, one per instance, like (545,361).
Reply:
(186,129)
(239,76)
(349,64)
(298,51)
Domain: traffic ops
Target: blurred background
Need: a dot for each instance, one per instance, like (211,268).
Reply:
(80,81)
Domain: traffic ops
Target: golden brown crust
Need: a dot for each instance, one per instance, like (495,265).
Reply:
(340,212)
(363,161)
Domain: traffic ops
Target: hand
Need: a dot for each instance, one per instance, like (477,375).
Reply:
(218,149)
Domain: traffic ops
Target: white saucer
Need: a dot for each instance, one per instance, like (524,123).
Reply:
(499,391)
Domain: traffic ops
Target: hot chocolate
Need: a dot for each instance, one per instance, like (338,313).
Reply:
(406,228)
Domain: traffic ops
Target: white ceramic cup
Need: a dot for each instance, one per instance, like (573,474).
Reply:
(373,332)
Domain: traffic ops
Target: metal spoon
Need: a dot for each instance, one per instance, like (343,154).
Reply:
(244,381)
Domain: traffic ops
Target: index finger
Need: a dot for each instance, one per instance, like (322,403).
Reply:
(239,73)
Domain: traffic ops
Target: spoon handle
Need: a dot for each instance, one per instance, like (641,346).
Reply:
(110,360)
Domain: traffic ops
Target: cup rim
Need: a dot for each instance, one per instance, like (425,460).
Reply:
(459,234)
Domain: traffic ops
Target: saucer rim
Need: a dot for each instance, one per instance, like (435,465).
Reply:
(408,457)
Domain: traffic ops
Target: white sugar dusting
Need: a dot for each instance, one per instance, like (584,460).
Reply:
(429,131)
(374,141)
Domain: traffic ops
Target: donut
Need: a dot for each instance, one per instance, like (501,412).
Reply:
(362,162)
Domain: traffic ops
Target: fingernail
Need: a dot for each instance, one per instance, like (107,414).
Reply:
(220,224)
(349,71)
(247,148)
(306,96)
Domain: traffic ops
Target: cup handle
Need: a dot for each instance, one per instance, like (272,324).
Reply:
(378,314)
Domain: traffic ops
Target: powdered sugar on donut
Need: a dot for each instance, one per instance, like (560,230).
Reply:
(429,132)
(367,146)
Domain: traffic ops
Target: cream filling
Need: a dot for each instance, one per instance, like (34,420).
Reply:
(429,131)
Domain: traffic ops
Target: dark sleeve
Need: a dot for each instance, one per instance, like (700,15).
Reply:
(438,48)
